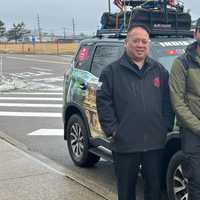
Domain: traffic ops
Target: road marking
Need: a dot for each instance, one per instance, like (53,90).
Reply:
(31,98)
(42,69)
(49,79)
(37,60)
(30,114)
(47,132)
(33,93)
(30,105)
(51,89)
(30,74)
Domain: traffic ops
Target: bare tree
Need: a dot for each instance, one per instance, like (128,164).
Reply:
(17,32)
(2,29)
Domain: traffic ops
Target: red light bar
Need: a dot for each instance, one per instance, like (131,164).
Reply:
(171,52)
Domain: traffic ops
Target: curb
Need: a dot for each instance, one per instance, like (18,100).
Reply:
(61,170)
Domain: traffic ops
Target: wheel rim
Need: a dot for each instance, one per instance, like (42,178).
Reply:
(76,141)
(180,184)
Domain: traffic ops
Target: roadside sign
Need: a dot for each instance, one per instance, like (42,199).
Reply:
(33,39)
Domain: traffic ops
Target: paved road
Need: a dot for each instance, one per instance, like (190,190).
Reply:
(32,115)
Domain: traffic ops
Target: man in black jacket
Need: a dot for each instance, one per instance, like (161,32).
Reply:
(134,110)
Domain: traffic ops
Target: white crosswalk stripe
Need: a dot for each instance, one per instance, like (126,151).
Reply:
(32,93)
(31,98)
(30,105)
(47,132)
(33,104)
(30,114)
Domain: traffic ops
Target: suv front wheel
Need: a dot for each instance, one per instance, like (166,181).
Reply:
(176,182)
(78,143)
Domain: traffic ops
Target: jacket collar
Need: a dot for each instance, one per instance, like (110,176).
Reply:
(191,51)
(127,62)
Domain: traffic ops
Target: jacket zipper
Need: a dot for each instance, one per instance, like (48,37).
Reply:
(143,104)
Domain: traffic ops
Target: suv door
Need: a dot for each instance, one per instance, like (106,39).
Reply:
(79,74)
(103,56)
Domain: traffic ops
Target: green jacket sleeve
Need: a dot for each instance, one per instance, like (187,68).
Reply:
(178,93)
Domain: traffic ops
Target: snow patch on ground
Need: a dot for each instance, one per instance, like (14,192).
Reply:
(11,83)
(8,83)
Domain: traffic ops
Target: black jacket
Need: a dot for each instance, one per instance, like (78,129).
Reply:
(134,105)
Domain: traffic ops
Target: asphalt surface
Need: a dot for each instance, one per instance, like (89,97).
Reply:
(18,126)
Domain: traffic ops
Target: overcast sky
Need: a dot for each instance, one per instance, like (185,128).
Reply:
(55,15)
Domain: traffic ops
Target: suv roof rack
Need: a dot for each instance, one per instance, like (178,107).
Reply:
(110,33)
(162,21)
(115,33)
(171,33)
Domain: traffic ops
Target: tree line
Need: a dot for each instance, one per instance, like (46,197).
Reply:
(17,32)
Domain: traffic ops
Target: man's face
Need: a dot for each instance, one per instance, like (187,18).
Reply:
(197,36)
(137,44)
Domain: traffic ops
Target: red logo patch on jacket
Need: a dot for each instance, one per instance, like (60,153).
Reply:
(156,82)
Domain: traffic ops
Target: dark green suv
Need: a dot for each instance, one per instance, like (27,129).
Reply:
(82,131)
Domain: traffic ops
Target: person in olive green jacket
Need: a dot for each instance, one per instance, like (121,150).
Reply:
(185,96)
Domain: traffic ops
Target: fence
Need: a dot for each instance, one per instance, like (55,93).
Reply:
(39,48)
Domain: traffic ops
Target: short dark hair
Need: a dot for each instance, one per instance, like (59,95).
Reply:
(136,25)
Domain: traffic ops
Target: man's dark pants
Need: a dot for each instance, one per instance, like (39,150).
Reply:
(191,170)
(191,166)
(127,166)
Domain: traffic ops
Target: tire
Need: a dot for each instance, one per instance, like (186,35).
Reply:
(176,182)
(78,143)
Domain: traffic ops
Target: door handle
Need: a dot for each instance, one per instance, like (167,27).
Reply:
(83,86)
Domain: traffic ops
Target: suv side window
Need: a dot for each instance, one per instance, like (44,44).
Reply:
(83,57)
(104,55)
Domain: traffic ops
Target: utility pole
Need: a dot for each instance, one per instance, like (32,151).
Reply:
(73,26)
(166,11)
(1,65)
(124,15)
(35,31)
(109,10)
(64,32)
(39,28)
